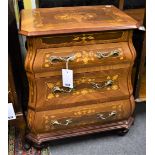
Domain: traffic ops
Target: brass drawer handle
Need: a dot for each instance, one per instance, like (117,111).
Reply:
(55,59)
(67,122)
(103,85)
(57,89)
(103,117)
(113,53)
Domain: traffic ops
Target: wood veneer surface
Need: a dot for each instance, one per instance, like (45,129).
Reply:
(47,21)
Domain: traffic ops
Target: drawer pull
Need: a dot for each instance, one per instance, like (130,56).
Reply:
(102,85)
(57,89)
(113,53)
(55,59)
(108,83)
(103,117)
(67,122)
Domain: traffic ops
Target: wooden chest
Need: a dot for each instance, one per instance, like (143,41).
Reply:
(96,43)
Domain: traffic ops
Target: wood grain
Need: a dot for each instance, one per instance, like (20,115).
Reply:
(83,92)
(137,14)
(92,106)
(41,138)
(85,56)
(49,21)
(41,122)
(76,39)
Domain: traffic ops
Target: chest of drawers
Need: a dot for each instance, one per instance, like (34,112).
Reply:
(96,43)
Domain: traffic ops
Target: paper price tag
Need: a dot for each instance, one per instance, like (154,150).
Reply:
(11,113)
(67,78)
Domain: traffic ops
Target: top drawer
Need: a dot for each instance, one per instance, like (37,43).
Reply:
(54,59)
(81,39)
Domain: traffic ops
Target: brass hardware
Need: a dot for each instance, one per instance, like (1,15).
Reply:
(113,53)
(54,59)
(105,84)
(57,89)
(67,122)
(108,83)
(103,117)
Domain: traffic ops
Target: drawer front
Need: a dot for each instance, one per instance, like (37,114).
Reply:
(71,118)
(82,39)
(89,87)
(54,59)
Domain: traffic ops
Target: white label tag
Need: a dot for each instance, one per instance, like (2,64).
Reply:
(67,78)
(11,112)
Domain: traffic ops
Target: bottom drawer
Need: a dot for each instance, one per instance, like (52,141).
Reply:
(55,120)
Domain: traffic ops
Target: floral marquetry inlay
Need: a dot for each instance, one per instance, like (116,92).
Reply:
(83,38)
(83,86)
(84,56)
(84,112)
(30,118)
(96,44)
(75,16)
(81,117)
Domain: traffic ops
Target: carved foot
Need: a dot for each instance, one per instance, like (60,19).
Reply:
(26,145)
(40,146)
(122,132)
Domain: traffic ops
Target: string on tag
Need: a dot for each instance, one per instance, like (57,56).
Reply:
(67,61)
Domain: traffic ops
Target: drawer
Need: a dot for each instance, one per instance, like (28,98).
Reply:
(82,39)
(70,118)
(89,88)
(54,59)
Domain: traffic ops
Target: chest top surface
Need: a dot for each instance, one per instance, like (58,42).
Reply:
(47,21)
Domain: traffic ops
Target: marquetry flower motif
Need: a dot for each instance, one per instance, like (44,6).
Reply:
(47,121)
(115,77)
(50,96)
(83,38)
(115,85)
(31,91)
(74,16)
(84,112)
(30,117)
(50,85)
(83,91)
(64,17)
(84,56)
(121,58)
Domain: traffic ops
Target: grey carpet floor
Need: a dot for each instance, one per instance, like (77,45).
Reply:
(133,143)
